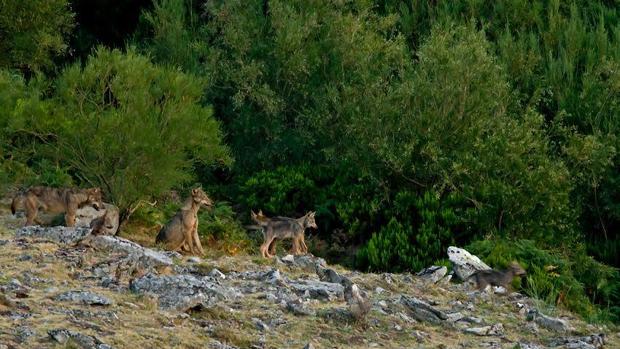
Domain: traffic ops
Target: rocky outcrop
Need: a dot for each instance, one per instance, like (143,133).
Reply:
(422,311)
(432,274)
(145,257)
(548,322)
(62,336)
(182,292)
(83,297)
(464,264)
(60,234)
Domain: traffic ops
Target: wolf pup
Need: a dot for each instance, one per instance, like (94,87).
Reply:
(106,224)
(497,278)
(182,229)
(56,200)
(283,228)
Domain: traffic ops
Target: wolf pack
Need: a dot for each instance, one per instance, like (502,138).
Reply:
(180,233)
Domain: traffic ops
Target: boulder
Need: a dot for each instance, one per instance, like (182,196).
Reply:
(464,263)
(423,311)
(299,308)
(318,289)
(182,292)
(84,297)
(582,342)
(62,336)
(145,257)
(60,234)
(432,274)
(494,330)
(548,322)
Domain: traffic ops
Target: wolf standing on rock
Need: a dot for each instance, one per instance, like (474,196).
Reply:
(56,200)
(182,229)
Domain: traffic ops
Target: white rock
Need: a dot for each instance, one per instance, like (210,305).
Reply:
(464,263)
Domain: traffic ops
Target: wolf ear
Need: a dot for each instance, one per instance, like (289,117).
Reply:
(260,213)
(252,214)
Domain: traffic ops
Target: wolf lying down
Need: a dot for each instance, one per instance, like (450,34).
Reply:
(56,200)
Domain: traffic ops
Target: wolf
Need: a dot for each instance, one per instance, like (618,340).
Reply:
(106,224)
(283,228)
(182,229)
(497,278)
(56,200)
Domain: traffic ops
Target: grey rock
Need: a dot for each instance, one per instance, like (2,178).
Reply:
(84,297)
(432,274)
(318,289)
(215,273)
(329,275)
(141,256)
(299,308)
(289,258)
(260,325)
(182,292)
(464,264)
(24,333)
(309,346)
(494,330)
(522,345)
(194,259)
(548,322)
(423,311)
(454,317)
(273,277)
(581,342)
(64,235)
(62,336)
(215,344)
(306,262)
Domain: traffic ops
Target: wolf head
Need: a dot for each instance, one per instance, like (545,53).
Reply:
(94,198)
(310,222)
(259,217)
(199,197)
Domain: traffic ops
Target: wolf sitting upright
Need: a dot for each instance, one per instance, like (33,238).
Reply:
(56,200)
(283,228)
(182,229)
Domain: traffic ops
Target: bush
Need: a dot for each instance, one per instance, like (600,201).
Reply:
(33,33)
(416,243)
(124,124)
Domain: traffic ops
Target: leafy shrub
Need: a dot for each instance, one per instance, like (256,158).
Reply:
(567,278)
(223,231)
(33,33)
(416,243)
(124,124)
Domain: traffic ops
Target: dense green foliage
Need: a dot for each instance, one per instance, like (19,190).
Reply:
(122,124)
(408,125)
(33,33)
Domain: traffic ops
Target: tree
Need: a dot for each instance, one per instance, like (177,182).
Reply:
(124,124)
(33,33)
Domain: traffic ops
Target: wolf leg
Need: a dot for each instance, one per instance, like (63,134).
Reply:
(196,239)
